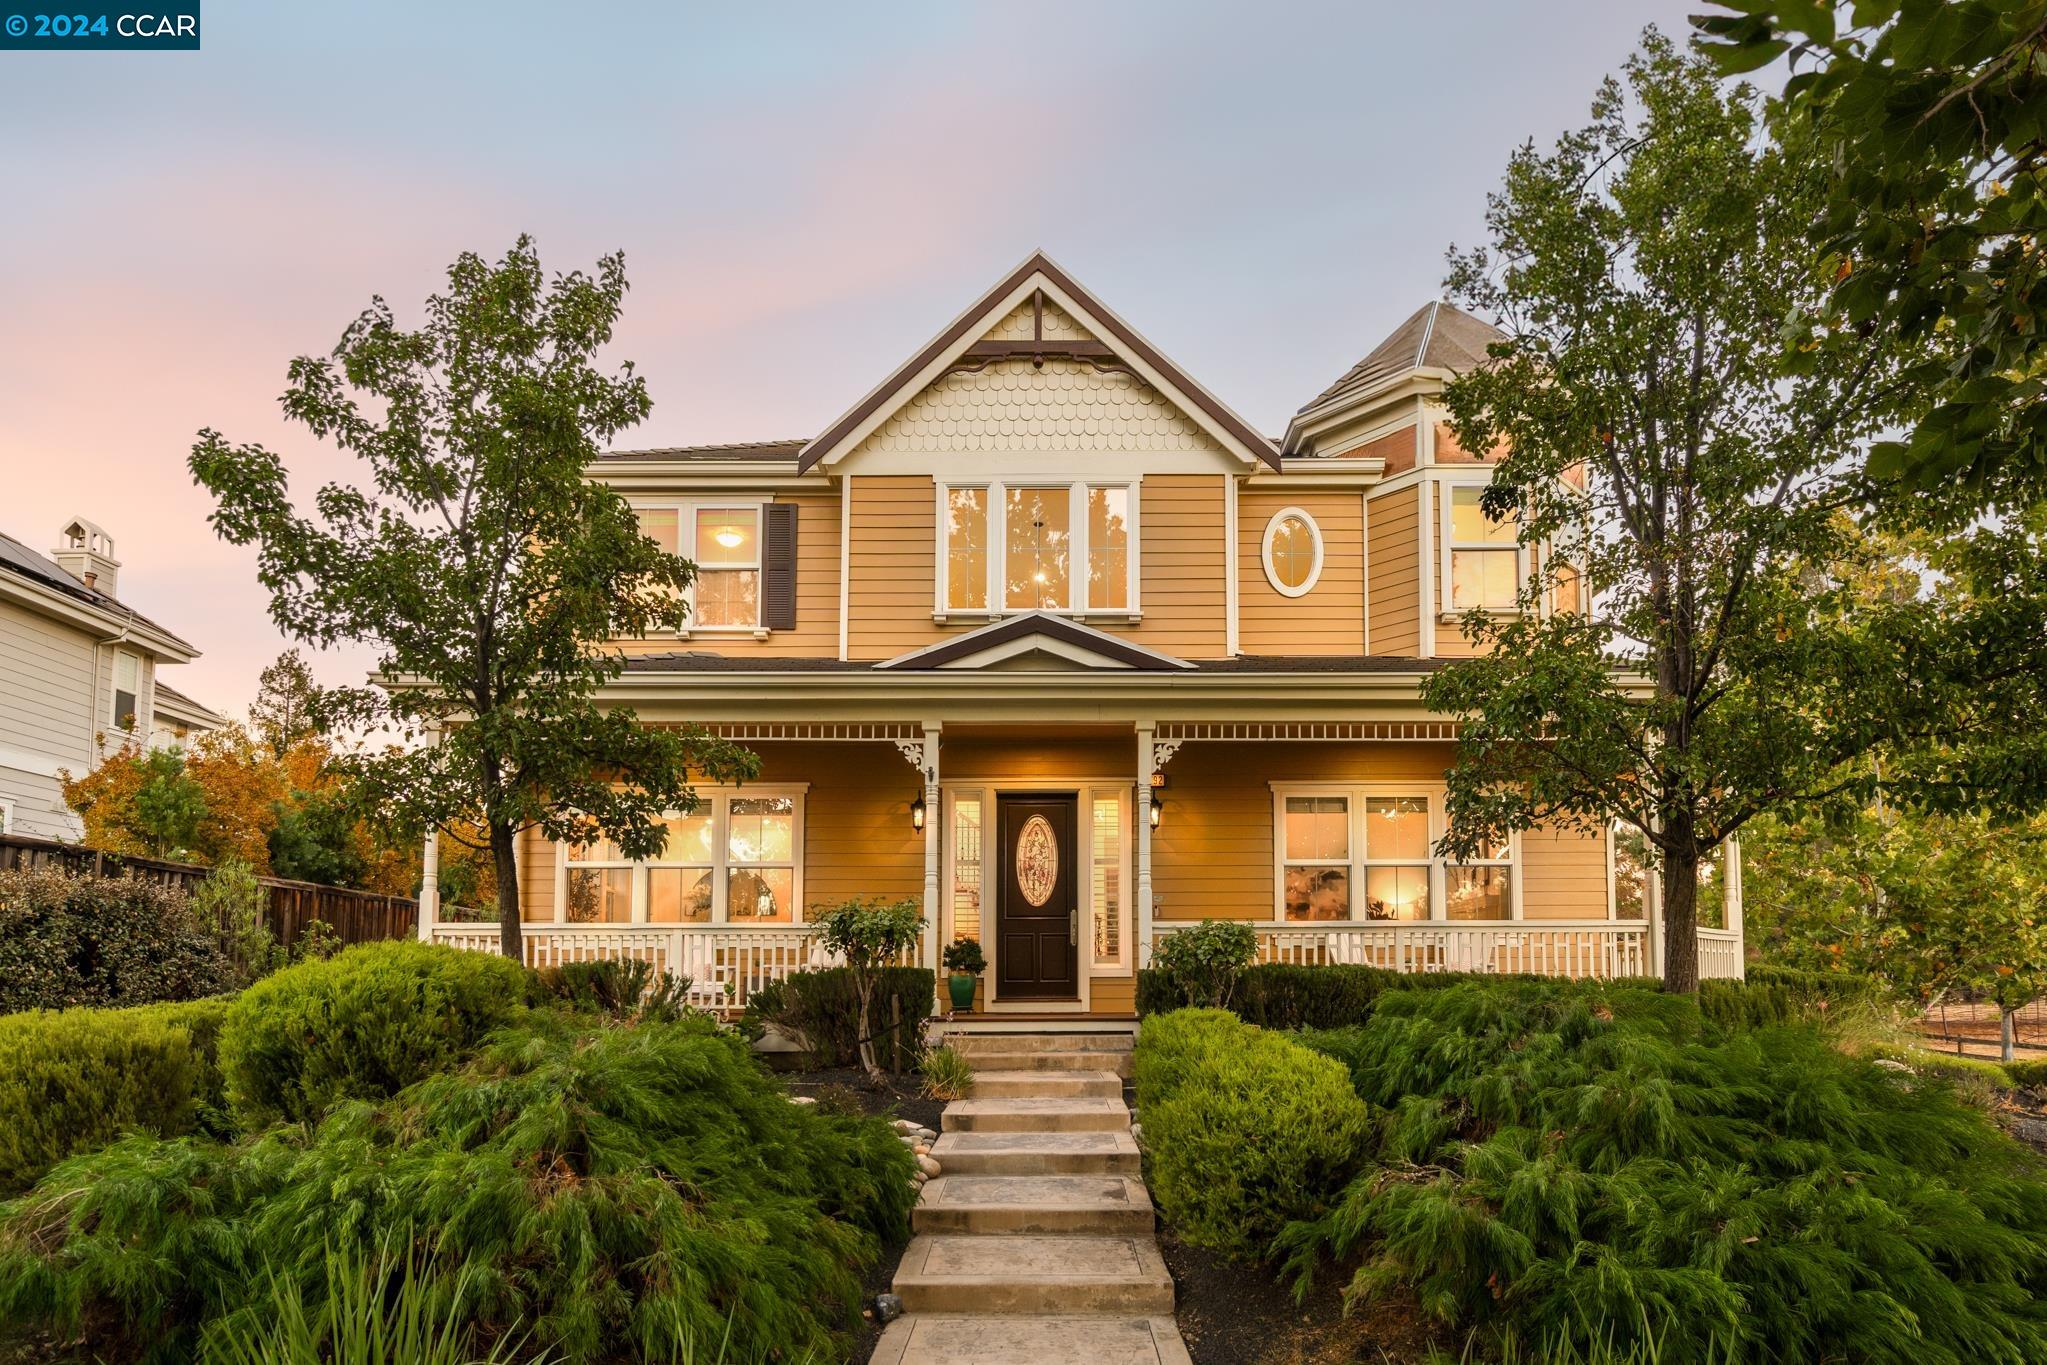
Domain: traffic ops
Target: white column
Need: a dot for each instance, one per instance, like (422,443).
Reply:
(934,848)
(1734,907)
(430,884)
(1652,907)
(1140,811)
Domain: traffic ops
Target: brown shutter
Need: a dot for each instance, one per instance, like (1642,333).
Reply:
(778,568)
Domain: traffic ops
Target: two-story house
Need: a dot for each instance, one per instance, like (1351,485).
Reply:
(1042,634)
(78,676)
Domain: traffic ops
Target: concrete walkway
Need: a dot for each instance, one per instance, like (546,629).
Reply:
(1035,1245)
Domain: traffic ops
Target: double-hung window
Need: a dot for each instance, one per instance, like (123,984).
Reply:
(1484,562)
(1065,546)
(736,859)
(126,700)
(723,540)
(1367,852)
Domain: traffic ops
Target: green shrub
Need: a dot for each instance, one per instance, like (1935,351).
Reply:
(1245,1129)
(1594,1164)
(2028,1073)
(824,1007)
(363,1024)
(235,905)
(1783,995)
(615,1193)
(107,941)
(1202,963)
(75,1080)
(948,1075)
(632,989)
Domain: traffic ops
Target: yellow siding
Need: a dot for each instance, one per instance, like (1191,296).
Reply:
(536,876)
(1330,617)
(1182,541)
(1395,601)
(1563,874)
(892,560)
(817,594)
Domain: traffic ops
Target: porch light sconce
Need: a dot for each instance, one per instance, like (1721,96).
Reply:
(917,811)
(1157,808)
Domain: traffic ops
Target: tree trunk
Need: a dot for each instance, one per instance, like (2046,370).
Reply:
(1681,920)
(863,983)
(2007,1035)
(504,856)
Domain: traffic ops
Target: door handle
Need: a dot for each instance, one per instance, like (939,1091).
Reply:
(1073,927)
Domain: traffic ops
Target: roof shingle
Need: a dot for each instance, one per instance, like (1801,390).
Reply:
(1438,336)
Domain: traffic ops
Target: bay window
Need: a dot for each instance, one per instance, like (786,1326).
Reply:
(1059,546)
(1484,564)
(1367,852)
(735,859)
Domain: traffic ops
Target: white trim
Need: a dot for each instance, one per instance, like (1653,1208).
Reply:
(1044,642)
(1232,535)
(716,801)
(1426,607)
(845,560)
(1307,584)
(1446,544)
(991,791)
(6,815)
(1365,562)
(112,715)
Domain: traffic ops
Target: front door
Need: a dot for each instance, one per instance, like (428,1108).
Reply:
(1037,904)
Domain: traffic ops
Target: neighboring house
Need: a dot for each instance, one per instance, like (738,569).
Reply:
(1043,635)
(77,674)
(178,720)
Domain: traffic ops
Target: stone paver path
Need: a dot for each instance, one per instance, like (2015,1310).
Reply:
(1034,1246)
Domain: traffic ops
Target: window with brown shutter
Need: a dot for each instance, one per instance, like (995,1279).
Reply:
(778,567)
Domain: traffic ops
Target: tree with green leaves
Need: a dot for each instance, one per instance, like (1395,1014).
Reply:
(286,698)
(1932,115)
(1643,271)
(869,935)
(482,565)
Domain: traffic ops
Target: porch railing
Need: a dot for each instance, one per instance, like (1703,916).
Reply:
(1600,948)
(725,963)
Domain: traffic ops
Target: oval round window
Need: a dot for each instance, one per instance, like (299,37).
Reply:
(1293,551)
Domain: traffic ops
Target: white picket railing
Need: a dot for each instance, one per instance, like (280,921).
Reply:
(1720,955)
(724,963)
(1603,948)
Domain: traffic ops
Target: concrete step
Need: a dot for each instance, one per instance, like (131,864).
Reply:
(950,1274)
(958,1339)
(1037,1154)
(1116,1063)
(971,1043)
(1109,1205)
(1056,1114)
(1038,1084)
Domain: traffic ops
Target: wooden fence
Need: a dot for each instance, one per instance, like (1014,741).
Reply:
(356,916)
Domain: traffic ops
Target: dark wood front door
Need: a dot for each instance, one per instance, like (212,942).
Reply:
(1037,919)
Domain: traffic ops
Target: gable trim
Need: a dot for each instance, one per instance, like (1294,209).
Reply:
(1232,430)
(1081,640)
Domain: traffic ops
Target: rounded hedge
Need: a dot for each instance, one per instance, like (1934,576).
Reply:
(361,1025)
(84,940)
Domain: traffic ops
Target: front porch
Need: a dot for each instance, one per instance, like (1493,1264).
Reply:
(1318,834)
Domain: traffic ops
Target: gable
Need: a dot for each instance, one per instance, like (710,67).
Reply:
(1037,642)
(1038,364)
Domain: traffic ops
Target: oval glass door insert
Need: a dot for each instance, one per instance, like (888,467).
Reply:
(1037,860)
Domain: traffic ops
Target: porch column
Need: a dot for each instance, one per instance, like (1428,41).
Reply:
(1140,817)
(430,884)
(1734,907)
(934,847)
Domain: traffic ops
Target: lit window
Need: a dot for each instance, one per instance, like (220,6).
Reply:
(966,867)
(1485,557)
(1106,878)
(1293,552)
(727,553)
(599,887)
(1108,548)
(1036,535)
(1317,857)
(680,878)
(1396,857)
(732,859)
(127,686)
(761,859)
(966,549)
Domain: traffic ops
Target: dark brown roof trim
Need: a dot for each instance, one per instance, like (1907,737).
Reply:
(1039,263)
(1016,628)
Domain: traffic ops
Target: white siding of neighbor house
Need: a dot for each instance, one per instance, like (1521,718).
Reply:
(55,687)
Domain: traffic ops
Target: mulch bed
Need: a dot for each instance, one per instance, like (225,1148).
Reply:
(898,1100)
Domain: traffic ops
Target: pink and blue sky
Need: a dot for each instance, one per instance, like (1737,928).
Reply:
(804,193)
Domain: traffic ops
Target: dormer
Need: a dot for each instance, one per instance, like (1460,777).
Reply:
(87,553)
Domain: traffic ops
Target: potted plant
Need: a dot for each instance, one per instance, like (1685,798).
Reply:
(963,959)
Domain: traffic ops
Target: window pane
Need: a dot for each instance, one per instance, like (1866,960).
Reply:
(1036,538)
(1484,578)
(1476,893)
(1293,551)
(1630,871)
(966,868)
(1106,882)
(1108,547)
(1396,893)
(127,672)
(679,895)
(966,549)
(727,597)
(689,839)
(124,709)
(1318,827)
(596,851)
(762,829)
(728,536)
(1396,827)
(660,525)
(1468,522)
(761,893)
(600,895)
(1317,893)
